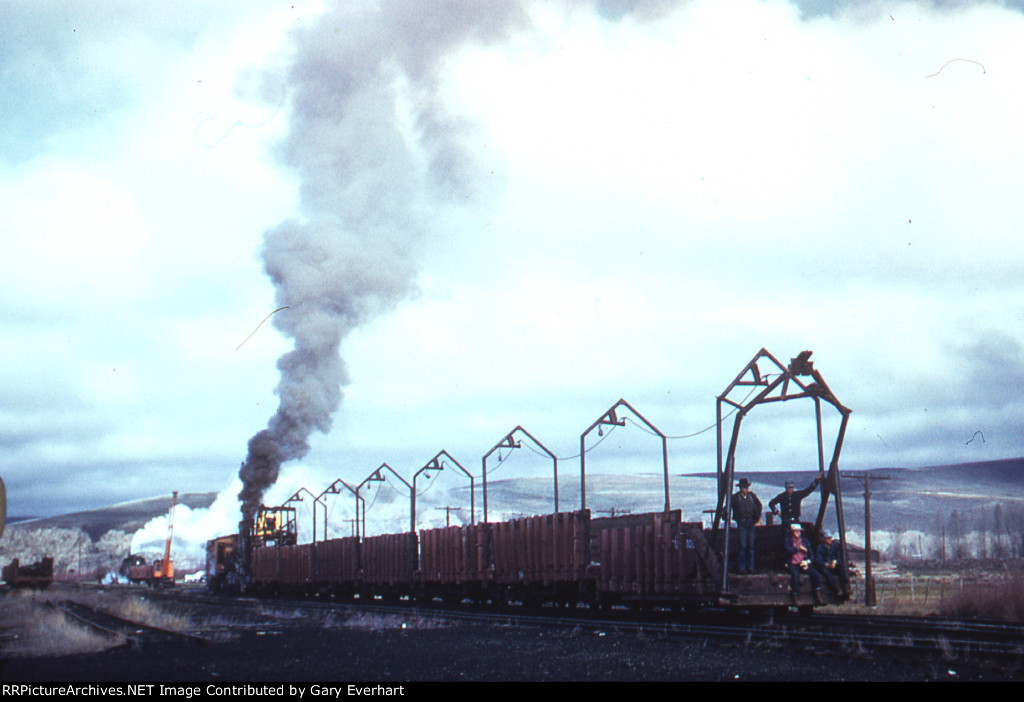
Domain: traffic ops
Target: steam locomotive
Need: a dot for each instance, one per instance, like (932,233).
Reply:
(567,558)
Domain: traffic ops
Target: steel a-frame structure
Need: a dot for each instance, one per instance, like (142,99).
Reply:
(762,381)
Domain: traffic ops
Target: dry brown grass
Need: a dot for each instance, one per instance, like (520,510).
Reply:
(145,612)
(991,598)
(134,605)
(988,595)
(30,628)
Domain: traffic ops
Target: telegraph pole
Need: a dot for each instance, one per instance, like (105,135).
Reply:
(448,513)
(869,579)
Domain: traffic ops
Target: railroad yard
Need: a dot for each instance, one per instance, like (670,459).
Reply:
(281,640)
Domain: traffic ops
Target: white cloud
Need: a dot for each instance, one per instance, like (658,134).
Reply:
(656,197)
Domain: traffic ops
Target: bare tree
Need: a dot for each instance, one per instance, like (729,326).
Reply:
(956,533)
(998,528)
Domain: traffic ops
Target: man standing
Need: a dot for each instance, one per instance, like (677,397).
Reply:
(788,503)
(746,511)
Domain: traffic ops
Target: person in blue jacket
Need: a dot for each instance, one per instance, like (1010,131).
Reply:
(828,558)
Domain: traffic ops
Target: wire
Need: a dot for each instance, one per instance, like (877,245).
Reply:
(330,511)
(712,426)
(430,485)
(612,428)
(366,507)
(684,436)
(501,462)
(539,453)
(641,427)
(395,488)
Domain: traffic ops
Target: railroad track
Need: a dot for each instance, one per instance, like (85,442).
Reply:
(954,639)
(133,632)
(935,638)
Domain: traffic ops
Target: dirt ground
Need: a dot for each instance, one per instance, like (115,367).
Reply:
(282,645)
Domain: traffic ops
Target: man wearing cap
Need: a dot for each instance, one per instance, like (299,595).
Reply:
(787,504)
(828,558)
(746,511)
(799,559)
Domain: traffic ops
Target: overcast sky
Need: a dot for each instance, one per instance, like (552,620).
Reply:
(507,213)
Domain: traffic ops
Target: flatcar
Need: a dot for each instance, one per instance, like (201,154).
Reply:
(654,559)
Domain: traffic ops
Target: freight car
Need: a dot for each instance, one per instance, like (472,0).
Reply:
(640,560)
(655,559)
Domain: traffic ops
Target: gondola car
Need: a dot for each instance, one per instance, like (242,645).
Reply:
(655,559)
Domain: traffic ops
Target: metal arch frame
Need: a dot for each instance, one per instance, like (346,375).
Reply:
(507,442)
(332,489)
(437,464)
(297,497)
(376,477)
(789,376)
(611,418)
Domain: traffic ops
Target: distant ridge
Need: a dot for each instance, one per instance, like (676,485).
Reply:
(126,516)
(1010,469)
(920,497)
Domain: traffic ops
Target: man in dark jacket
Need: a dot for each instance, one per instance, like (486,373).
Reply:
(828,558)
(788,503)
(746,511)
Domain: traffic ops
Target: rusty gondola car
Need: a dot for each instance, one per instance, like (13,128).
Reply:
(644,560)
(655,559)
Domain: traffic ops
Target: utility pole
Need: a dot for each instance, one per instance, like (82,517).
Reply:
(448,513)
(869,579)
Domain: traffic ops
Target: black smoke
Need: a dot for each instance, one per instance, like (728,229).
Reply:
(374,148)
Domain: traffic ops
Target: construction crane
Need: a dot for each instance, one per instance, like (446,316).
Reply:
(161,573)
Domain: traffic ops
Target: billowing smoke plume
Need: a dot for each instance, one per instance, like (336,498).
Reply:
(372,146)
